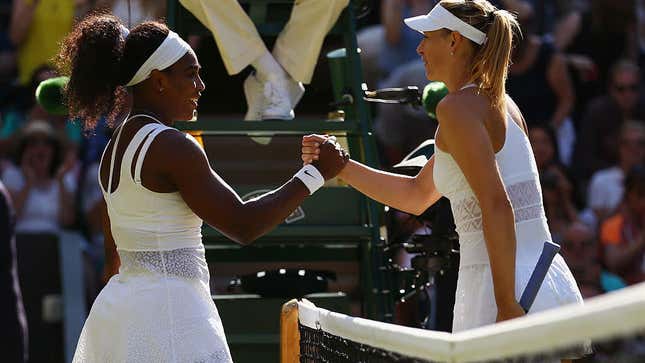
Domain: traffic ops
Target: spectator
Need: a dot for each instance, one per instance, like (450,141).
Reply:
(40,185)
(390,44)
(13,323)
(556,186)
(623,235)
(37,27)
(551,15)
(575,238)
(539,83)
(593,40)
(17,116)
(596,148)
(606,186)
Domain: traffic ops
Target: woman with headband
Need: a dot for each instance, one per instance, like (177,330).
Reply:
(158,187)
(483,163)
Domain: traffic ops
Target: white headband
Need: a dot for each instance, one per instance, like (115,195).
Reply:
(169,52)
(440,18)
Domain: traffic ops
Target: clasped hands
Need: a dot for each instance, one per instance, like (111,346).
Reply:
(324,152)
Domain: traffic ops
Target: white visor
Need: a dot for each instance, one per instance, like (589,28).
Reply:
(169,52)
(440,18)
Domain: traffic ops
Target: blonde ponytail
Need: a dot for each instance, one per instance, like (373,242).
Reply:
(491,59)
(491,62)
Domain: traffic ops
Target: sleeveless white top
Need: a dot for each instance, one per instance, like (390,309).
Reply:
(145,222)
(519,174)
(158,308)
(475,304)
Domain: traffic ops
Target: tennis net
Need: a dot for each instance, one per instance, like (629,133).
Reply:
(613,324)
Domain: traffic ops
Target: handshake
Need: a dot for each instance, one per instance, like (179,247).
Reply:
(323,152)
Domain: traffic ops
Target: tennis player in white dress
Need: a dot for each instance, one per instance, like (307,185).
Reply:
(158,186)
(483,163)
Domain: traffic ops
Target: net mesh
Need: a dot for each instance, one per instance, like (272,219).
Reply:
(610,328)
(316,345)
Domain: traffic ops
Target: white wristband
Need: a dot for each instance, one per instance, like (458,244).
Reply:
(311,177)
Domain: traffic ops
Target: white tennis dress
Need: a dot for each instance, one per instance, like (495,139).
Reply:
(475,301)
(158,308)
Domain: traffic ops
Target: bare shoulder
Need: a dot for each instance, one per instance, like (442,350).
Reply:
(175,147)
(461,110)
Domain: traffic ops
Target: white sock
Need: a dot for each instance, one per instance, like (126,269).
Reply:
(268,68)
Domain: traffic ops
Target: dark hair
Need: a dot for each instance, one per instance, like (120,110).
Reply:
(552,135)
(54,140)
(100,60)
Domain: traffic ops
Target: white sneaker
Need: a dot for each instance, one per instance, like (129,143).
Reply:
(260,108)
(277,103)
(254,93)
(296,91)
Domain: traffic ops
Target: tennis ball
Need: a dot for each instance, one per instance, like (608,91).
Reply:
(49,95)
(433,92)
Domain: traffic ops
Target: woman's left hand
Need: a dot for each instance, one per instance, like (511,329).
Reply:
(509,311)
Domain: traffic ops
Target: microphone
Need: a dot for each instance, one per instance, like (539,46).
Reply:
(432,93)
(398,95)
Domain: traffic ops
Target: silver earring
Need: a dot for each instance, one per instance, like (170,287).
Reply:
(161,89)
(452,53)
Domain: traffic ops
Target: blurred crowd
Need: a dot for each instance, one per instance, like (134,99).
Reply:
(576,75)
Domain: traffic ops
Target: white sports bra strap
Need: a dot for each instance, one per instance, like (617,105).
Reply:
(144,149)
(135,143)
(112,158)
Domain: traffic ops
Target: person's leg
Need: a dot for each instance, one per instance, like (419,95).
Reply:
(240,45)
(235,34)
(298,45)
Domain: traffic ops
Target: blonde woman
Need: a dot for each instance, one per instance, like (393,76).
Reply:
(483,163)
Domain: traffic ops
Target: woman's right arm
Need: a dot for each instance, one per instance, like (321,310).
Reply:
(213,200)
(409,194)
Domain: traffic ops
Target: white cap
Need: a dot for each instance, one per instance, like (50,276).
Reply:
(440,18)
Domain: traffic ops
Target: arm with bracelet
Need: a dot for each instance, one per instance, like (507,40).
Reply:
(211,198)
